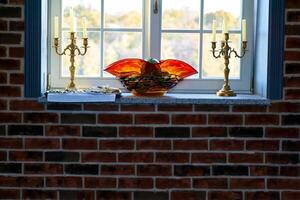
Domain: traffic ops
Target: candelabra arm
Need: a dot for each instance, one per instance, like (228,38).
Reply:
(214,51)
(244,47)
(84,47)
(56,46)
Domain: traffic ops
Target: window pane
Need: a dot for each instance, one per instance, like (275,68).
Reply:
(180,14)
(214,68)
(182,46)
(123,14)
(217,9)
(82,8)
(88,65)
(119,45)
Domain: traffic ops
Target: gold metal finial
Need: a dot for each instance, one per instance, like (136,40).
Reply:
(226,52)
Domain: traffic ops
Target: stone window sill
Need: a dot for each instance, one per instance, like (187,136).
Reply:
(128,98)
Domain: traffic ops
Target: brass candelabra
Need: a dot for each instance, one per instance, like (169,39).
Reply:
(226,52)
(72,47)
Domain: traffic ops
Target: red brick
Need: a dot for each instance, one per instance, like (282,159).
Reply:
(246,158)
(62,130)
(151,119)
(26,105)
(113,195)
(187,195)
(9,194)
(284,184)
(101,107)
(10,118)
(282,132)
(290,171)
(10,143)
(262,119)
(40,118)
(224,195)
(16,26)
(291,146)
(98,157)
(10,64)
(136,157)
(209,132)
(191,170)
(208,158)
(225,119)
(263,195)
(16,52)
(16,2)
(39,143)
(3,156)
(292,42)
(39,193)
(188,119)
(293,68)
(290,195)
(42,168)
(93,182)
(249,108)
(136,132)
(140,183)
(264,171)
(292,4)
(290,107)
(17,79)
(25,156)
(2,50)
(137,108)
(247,184)
(292,82)
(190,145)
(3,104)
(293,16)
(79,144)
(153,144)
(211,108)
(3,25)
(115,170)
(292,94)
(115,119)
(172,157)
(164,183)
(154,170)
(227,145)
(116,144)
(280,158)
(292,56)
(66,182)
(175,108)
(8,181)
(210,183)
(10,91)
(3,78)
(262,145)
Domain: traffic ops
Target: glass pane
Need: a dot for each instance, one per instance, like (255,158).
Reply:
(88,65)
(217,9)
(214,68)
(180,14)
(90,9)
(181,46)
(119,45)
(123,14)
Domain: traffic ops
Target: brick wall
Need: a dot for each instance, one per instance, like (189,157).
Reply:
(140,152)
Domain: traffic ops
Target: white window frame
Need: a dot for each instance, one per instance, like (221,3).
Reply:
(153,22)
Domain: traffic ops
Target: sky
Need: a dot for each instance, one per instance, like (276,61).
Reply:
(115,6)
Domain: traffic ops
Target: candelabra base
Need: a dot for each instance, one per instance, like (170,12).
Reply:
(71,87)
(225,92)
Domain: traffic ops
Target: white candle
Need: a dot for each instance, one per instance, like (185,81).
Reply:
(214,30)
(56,27)
(84,34)
(225,26)
(244,30)
(72,20)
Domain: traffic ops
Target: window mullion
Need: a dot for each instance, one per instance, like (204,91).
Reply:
(102,40)
(201,39)
(155,29)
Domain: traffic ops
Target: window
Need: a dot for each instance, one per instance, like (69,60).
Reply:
(180,30)
(268,20)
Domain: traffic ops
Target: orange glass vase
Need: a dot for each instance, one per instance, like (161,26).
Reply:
(150,77)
